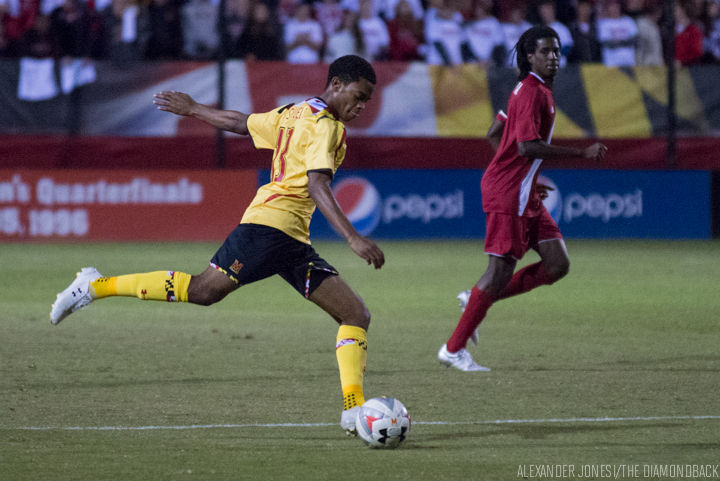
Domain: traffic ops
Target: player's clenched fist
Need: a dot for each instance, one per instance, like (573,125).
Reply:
(595,152)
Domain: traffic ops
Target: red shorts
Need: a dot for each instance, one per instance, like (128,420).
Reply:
(511,235)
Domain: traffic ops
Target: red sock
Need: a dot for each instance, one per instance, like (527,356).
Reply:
(526,279)
(477,306)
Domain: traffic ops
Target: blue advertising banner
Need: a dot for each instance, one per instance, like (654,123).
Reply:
(630,204)
(427,204)
(408,204)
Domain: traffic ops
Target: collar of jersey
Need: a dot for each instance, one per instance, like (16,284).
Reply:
(316,104)
(537,76)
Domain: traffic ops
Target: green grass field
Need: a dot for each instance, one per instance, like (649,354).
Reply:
(132,390)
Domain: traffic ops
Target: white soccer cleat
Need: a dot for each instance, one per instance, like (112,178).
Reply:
(463,299)
(76,296)
(347,420)
(460,360)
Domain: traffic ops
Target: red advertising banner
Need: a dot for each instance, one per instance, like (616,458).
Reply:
(122,205)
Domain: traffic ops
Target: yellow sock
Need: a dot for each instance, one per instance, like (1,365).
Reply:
(168,286)
(351,352)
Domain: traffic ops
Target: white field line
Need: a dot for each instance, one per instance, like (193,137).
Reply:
(313,425)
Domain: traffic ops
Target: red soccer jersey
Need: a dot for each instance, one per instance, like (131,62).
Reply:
(508,185)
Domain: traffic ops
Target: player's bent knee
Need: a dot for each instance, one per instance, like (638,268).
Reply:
(360,317)
(558,270)
(206,296)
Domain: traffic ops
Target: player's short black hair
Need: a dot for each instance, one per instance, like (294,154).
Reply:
(528,44)
(351,68)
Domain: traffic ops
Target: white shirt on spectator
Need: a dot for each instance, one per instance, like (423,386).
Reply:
(483,36)
(566,39)
(649,43)
(199,19)
(47,6)
(329,15)
(354,5)
(303,53)
(617,37)
(711,42)
(375,36)
(512,33)
(449,34)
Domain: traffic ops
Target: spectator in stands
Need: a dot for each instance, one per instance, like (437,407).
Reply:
(354,5)
(406,34)
(286,9)
(47,6)
(330,15)
(648,49)
(165,24)
(547,13)
(374,31)
(17,17)
(303,37)
(688,38)
(513,28)
(444,34)
(695,9)
(77,30)
(347,40)
(127,28)
(201,38)
(389,12)
(39,41)
(617,34)
(711,42)
(237,15)
(586,47)
(262,37)
(485,35)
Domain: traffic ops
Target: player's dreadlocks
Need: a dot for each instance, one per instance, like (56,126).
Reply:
(527,45)
(351,68)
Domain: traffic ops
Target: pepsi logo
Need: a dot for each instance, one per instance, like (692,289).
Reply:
(553,202)
(361,203)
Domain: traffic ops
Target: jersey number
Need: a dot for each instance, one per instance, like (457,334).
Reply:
(280,160)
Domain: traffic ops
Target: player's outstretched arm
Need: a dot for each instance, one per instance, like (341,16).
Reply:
(180,103)
(320,192)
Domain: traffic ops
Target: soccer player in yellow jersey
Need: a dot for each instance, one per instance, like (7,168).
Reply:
(308,140)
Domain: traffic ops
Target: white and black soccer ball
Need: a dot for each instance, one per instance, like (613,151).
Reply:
(383,422)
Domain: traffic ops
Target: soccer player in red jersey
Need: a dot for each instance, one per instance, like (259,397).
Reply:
(516,219)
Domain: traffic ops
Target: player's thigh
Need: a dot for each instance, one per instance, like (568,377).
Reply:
(497,275)
(338,299)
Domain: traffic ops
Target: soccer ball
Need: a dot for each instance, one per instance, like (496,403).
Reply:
(383,422)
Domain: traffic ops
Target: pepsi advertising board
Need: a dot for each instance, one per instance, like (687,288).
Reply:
(427,204)
(630,204)
(416,204)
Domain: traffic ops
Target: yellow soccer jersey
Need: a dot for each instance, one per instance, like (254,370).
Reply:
(304,137)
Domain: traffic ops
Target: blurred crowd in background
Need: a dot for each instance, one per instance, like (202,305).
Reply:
(438,32)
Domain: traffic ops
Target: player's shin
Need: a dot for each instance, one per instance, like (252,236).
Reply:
(351,352)
(475,311)
(171,286)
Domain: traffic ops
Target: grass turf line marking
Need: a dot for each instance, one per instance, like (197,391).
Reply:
(313,425)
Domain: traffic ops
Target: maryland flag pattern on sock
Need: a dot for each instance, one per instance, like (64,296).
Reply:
(170,286)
